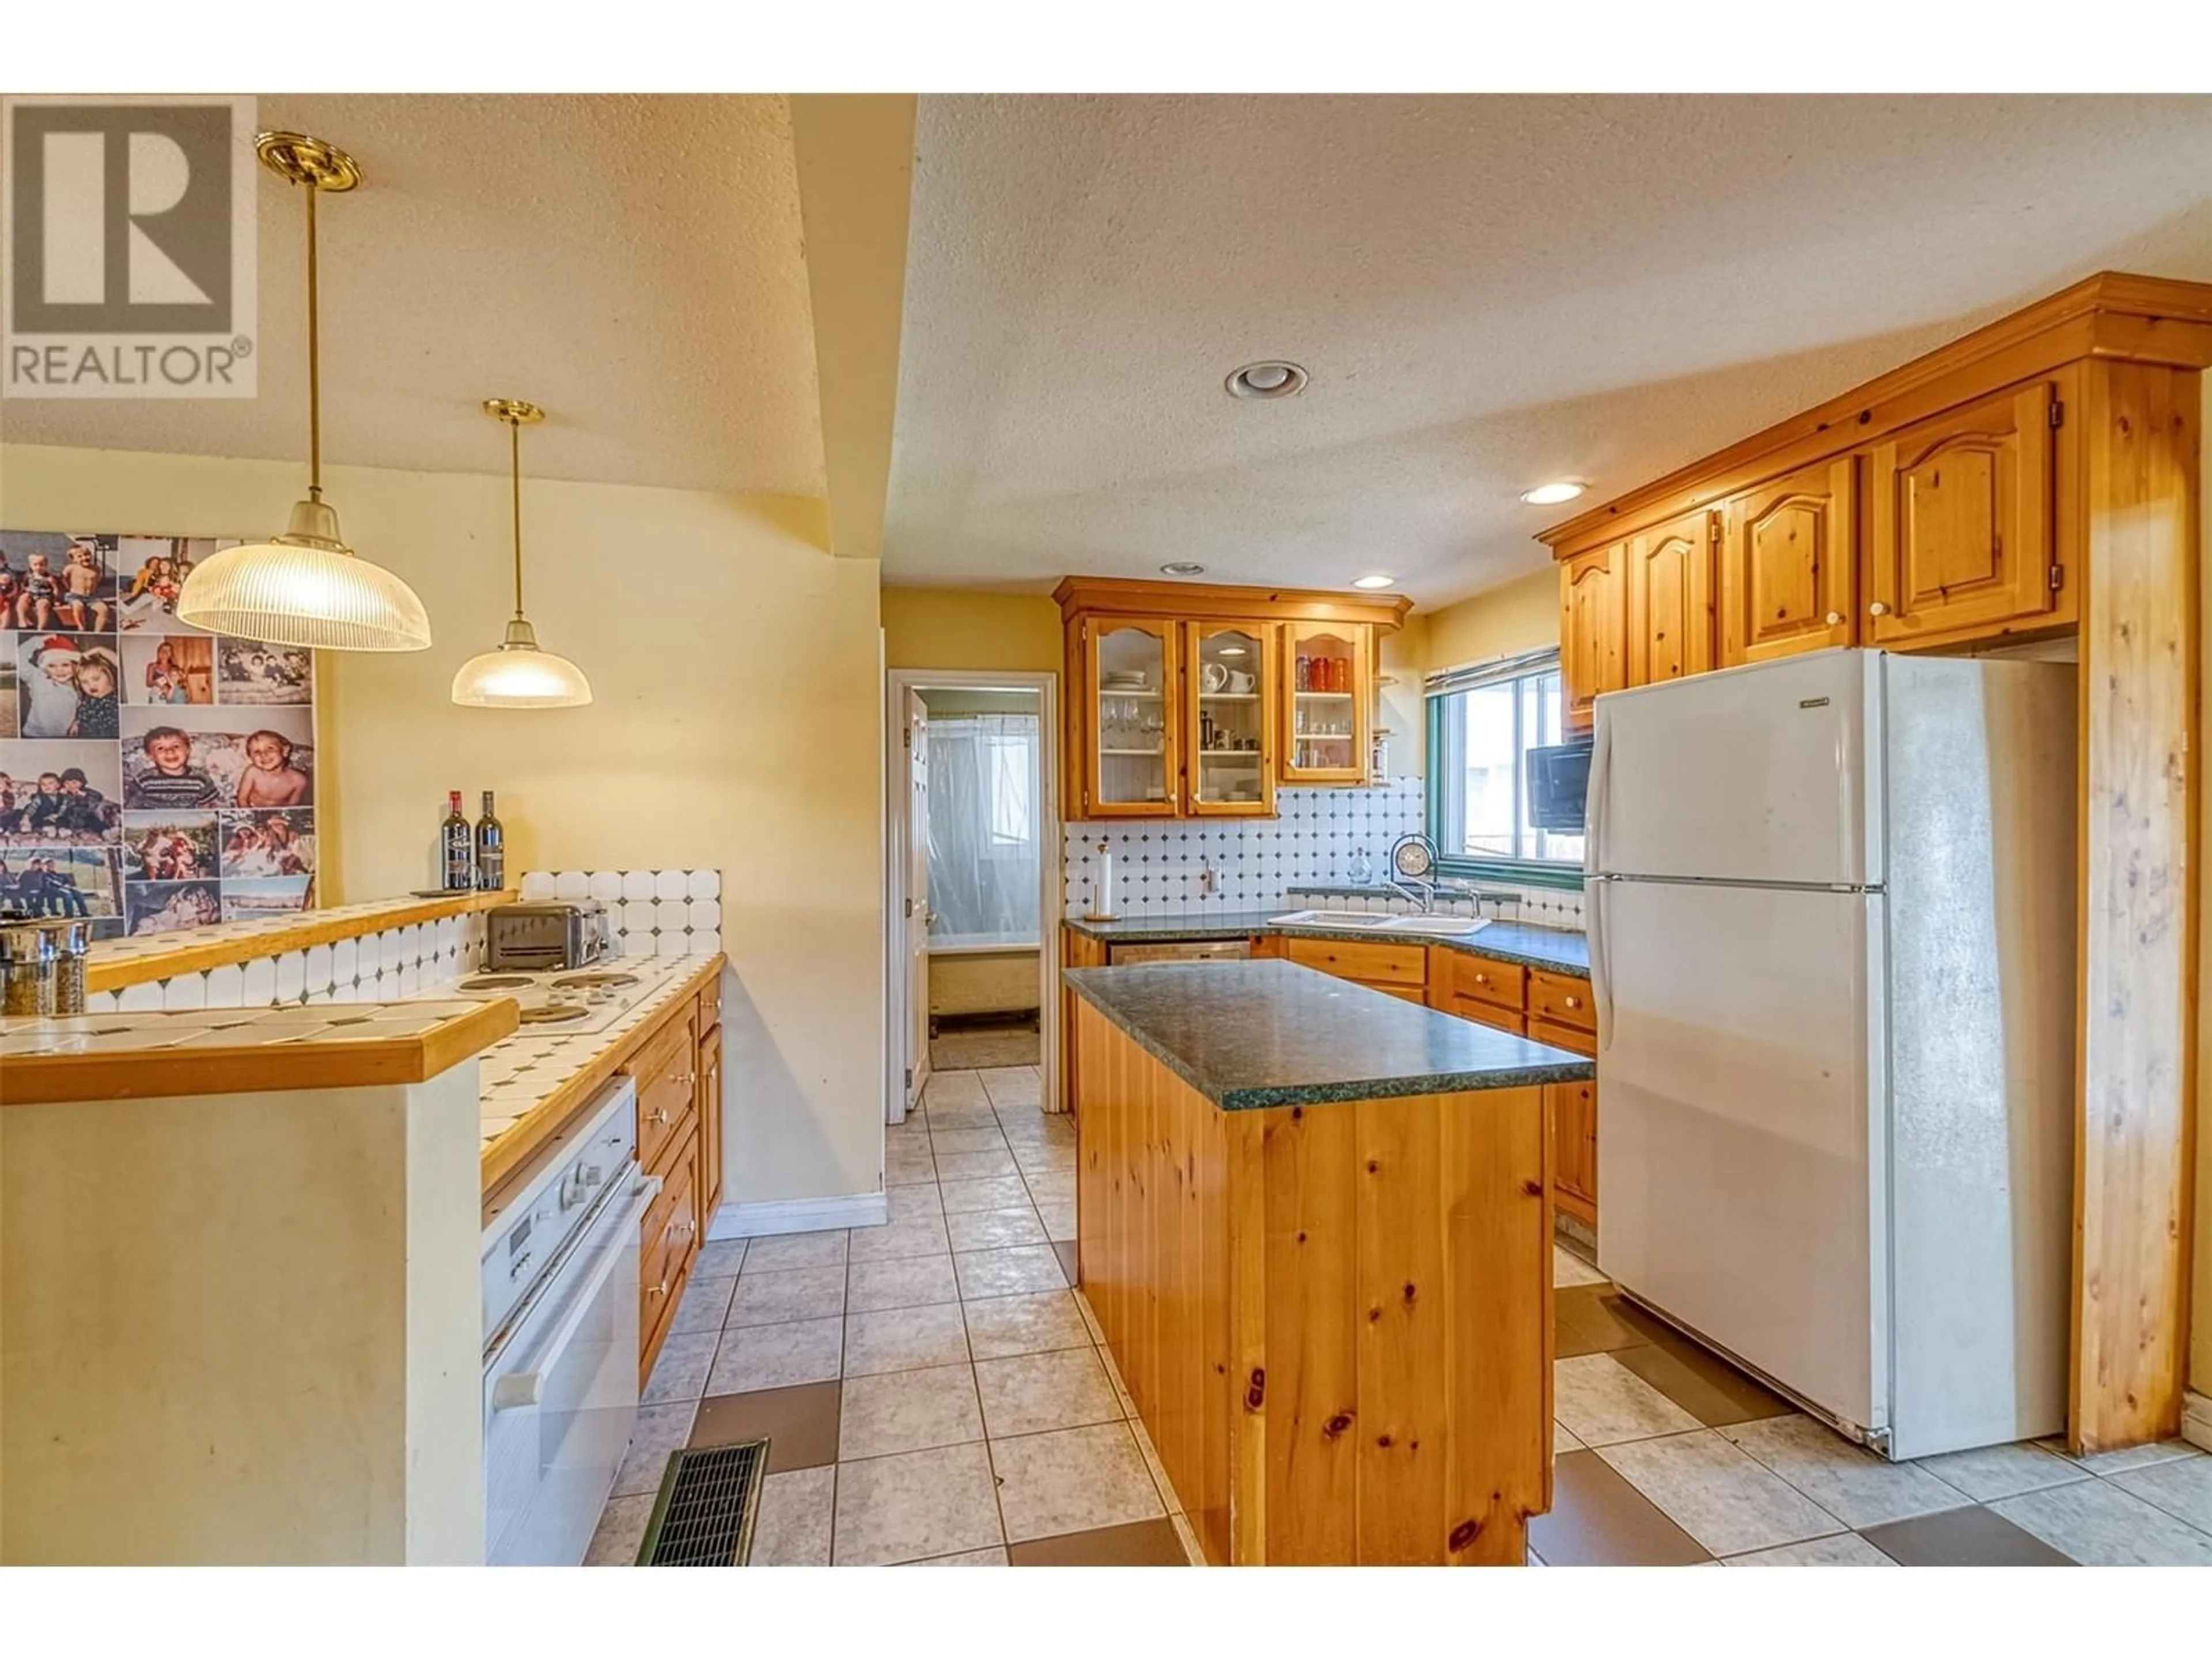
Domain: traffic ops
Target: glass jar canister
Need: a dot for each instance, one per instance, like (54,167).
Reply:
(69,939)
(27,972)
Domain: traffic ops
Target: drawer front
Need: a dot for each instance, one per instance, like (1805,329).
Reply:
(1367,960)
(710,1005)
(1484,979)
(667,1240)
(1412,994)
(1561,998)
(1487,1014)
(665,1073)
(1575,1041)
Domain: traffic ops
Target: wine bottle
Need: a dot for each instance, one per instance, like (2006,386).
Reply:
(459,846)
(491,849)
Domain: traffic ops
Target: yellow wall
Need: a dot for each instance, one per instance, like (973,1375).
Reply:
(1521,616)
(737,727)
(951,628)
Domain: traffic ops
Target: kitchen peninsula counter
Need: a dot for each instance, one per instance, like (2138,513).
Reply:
(1314,1225)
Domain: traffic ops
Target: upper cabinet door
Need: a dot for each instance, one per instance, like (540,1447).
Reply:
(1786,576)
(1325,702)
(1593,628)
(1132,716)
(1229,692)
(1962,520)
(1670,599)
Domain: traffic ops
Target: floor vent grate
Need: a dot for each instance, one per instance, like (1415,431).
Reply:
(708,1500)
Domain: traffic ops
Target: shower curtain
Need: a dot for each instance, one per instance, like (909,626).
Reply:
(983,845)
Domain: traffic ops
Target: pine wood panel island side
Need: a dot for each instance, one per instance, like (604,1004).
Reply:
(1313,1223)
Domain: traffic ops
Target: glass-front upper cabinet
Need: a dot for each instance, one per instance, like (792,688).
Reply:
(1229,687)
(1132,739)
(1325,701)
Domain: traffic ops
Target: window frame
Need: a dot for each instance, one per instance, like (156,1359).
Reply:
(1527,872)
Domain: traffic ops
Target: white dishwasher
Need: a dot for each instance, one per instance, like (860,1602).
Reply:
(560,1271)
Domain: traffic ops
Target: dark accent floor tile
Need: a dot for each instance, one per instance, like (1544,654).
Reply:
(1703,1383)
(799,1424)
(1065,1249)
(1137,1544)
(1972,1537)
(1605,1320)
(1599,1520)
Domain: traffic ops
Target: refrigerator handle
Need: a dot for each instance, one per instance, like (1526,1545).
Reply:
(1594,879)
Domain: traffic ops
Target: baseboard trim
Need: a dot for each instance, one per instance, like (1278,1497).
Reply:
(799,1215)
(2197,1420)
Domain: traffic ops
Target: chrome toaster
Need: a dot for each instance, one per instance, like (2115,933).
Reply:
(556,935)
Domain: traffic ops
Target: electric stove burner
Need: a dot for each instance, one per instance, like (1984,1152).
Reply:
(553,1013)
(494,983)
(582,982)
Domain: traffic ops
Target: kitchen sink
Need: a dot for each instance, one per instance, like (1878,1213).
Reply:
(1375,921)
(1437,927)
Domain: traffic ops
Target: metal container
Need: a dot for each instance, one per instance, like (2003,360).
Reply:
(70,940)
(559,934)
(26,971)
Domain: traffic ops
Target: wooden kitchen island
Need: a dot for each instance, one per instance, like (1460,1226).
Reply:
(1313,1224)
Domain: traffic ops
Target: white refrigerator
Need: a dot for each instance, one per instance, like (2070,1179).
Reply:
(1831,912)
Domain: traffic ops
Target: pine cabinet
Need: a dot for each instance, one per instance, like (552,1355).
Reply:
(1593,626)
(1131,669)
(1668,575)
(1230,681)
(1962,539)
(1327,701)
(1787,566)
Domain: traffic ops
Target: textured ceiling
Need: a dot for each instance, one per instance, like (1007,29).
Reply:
(633,263)
(1489,292)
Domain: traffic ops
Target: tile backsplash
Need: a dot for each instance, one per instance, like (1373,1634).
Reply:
(654,913)
(383,966)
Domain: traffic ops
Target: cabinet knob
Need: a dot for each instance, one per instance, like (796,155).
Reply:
(659,1114)
(1835,619)
(661,1288)
(1574,1002)
(1877,609)
(1482,978)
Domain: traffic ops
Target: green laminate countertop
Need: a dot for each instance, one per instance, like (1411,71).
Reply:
(1553,948)
(1249,1035)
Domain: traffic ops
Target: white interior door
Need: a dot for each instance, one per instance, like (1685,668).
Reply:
(1736,1149)
(917,897)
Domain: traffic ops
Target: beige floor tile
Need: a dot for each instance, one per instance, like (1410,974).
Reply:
(1563,1439)
(996,1193)
(1059,1220)
(908,1411)
(1845,1549)
(621,1532)
(994,1230)
(2182,1487)
(661,1431)
(902,1236)
(1046,1158)
(778,1356)
(990,1557)
(1072,1479)
(720,1259)
(1989,1473)
(905,1338)
(967,1115)
(958,1141)
(784,1251)
(975,1166)
(1852,1484)
(1031,1392)
(680,1373)
(903,1282)
(1052,1186)
(1568,1268)
(916,1506)
(705,1307)
(793,1529)
(999,1327)
(1600,1401)
(776,1298)
(905,1203)
(1012,1085)
(2100,1524)
(953,1088)
(2132,1457)
(1718,1494)
(1008,1273)
(908,1165)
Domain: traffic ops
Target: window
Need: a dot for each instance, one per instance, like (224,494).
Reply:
(1482,724)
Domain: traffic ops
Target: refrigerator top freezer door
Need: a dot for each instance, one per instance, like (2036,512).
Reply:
(1754,776)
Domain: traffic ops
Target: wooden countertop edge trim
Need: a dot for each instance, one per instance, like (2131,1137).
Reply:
(314,927)
(256,1067)
(2150,318)
(531,1131)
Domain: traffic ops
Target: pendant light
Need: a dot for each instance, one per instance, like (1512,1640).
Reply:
(306,587)
(517,675)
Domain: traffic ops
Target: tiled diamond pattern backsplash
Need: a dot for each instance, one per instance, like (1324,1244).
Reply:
(654,913)
(1160,864)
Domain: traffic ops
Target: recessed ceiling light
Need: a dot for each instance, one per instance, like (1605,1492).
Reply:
(1374,581)
(1183,567)
(1552,495)
(1272,379)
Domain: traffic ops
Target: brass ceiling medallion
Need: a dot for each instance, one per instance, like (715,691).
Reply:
(300,160)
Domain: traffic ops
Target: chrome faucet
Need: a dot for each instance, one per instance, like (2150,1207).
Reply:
(1412,871)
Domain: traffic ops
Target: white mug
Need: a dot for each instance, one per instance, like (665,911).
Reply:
(1240,680)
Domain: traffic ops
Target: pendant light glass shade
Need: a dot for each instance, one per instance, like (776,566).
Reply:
(517,675)
(306,587)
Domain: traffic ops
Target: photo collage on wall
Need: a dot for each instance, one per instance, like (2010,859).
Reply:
(153,775)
